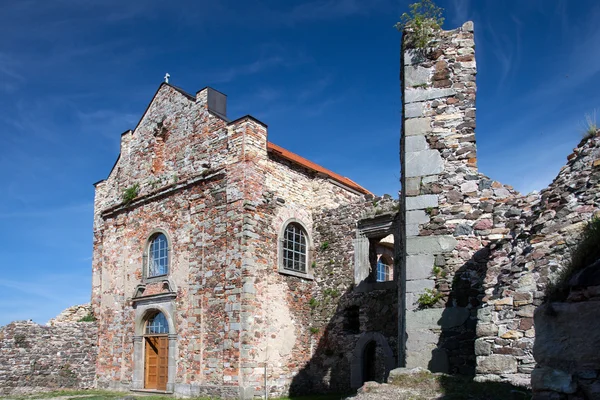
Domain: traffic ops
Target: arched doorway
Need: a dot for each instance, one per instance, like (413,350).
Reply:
(156,352)
(373,360)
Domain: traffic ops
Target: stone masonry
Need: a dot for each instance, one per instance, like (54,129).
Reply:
(35,358)
(471,256)
(239,326)
(486,251)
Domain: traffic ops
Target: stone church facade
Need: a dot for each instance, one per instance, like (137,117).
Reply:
(226,265)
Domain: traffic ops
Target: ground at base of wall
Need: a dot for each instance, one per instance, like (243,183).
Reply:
(108,395)
(423,385)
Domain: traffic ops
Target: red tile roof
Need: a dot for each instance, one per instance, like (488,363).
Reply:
(295,158)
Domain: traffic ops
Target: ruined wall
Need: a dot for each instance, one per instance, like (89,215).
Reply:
(544,227)
(72,314)
(341,315)
(447,207)
(566,338)
(479,248)
(36,358)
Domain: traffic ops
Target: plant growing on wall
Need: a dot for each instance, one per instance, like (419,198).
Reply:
(88,318)
(421,23)
(591,126)
(429,298)
(131,193)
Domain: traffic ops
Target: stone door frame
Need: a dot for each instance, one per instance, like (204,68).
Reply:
(142,313)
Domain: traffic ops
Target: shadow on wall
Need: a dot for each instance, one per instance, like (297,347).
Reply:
(358,343)
(455,352)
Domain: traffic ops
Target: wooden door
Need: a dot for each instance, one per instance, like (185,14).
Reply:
(156,365)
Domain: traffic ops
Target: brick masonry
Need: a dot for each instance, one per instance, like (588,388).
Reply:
(222,198)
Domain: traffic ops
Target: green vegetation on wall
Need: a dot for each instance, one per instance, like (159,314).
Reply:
(421,23)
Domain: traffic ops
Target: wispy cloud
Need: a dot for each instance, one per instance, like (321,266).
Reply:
(10,79)
(257,66)
(41,296)
(47,212)
(460,12)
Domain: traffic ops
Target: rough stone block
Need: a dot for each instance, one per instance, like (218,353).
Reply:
(413,110)
(430,244)
(416,75)
(496,364)
(417,126)
(419,286)
(421,202)
(576,321)
(419,266)
(415,143)
(488,329)
(411,96)
(482,347)
(426,162)
(543,378)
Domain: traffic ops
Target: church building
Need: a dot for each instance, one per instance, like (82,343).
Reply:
(226,265)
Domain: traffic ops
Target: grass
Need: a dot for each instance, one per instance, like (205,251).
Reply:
(584,254)
(452,387)
(131,193)
(591,126)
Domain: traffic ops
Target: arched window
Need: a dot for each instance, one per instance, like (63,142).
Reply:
(158,255)
(294,248)
(384,269)
(157,324)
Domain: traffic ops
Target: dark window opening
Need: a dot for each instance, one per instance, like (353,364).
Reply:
(352,320)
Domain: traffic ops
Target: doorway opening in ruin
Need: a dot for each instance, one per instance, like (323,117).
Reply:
(372,360)
(156,352)
(373,363)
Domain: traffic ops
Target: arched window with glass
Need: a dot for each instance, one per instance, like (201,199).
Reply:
(294,248)
(157,325)
(157,256)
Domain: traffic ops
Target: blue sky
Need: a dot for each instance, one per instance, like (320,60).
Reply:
(323,74)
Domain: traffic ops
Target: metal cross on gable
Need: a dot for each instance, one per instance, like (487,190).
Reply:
(167,76)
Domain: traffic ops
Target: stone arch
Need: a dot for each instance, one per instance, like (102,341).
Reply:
(309,274)
(142,317)
(357,366)
(149,238)
(142,313)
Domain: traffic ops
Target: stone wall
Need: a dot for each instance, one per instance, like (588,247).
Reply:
(344,315)
(447,206)
(35,358)
(222,197)
(72,314)
(544,227)
(486,251)
(566,338)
